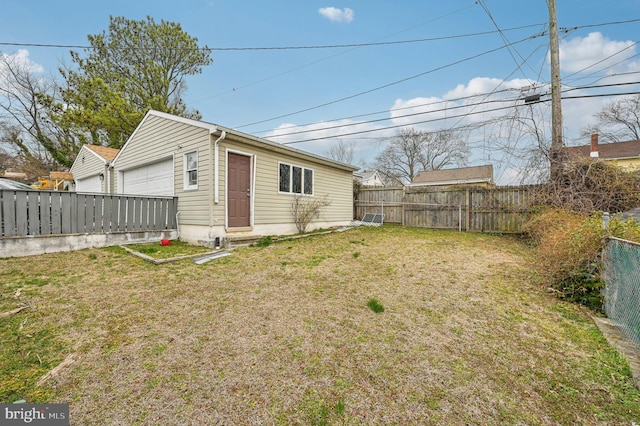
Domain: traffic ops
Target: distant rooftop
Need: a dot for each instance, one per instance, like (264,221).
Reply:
(609,151)
(474,174)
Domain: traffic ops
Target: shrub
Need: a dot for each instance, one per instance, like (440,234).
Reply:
(305,209)
(568,251)
(588,184)
(264,241)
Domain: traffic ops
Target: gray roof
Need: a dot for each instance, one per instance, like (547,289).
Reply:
(473,174)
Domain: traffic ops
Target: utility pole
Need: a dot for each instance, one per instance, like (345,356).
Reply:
(556,154)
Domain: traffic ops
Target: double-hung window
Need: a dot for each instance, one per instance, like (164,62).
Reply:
(191,170)
(295,179)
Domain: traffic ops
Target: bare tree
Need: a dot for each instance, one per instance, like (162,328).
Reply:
(27,126)
(413,150)
(618,120)
(342,151)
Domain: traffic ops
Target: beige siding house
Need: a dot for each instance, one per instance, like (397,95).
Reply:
(92,170)
(229,183)
(623,154)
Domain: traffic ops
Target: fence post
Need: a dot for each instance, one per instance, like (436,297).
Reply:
(467,197)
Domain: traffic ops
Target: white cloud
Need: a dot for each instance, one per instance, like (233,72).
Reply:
(21,59)
(581,53)
(337,15)
(478,100)
(18,60)
(506,141)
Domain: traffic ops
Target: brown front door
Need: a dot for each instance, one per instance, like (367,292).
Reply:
(239,190)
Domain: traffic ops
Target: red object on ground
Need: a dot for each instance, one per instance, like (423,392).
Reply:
(165,242)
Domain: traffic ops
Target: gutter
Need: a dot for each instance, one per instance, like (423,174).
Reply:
(216,158)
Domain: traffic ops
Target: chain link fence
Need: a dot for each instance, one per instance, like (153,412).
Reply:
(622,289)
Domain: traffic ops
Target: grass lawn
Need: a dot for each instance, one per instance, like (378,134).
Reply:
(174,249)
(373,325)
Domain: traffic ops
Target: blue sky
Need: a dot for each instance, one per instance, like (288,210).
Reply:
(256,86)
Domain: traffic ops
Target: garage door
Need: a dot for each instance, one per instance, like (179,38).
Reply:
(152,179)
(89,184)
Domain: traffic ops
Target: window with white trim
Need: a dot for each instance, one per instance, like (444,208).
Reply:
(191,170)
(295,179)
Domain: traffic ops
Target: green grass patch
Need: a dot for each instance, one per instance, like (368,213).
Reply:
(375,306)
(175,249)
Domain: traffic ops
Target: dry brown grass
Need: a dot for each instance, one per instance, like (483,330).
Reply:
(283,335)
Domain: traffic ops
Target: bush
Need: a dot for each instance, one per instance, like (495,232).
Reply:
(569,248)
(588,184)
(305,209)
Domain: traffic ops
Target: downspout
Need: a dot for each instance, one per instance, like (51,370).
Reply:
(216,158)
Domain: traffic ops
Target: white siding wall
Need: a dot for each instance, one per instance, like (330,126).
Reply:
(90,166)
(160,138)
(272,207)
(200,218)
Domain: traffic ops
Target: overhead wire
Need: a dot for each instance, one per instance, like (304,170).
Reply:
(386,111)
(351,49)
(329,46)
(466,114)
(384,86)
(506,40)
(349,97)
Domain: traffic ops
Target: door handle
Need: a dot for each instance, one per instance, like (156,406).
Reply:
(249,192)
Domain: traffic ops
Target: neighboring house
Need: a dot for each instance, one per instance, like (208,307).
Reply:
(229,183)
(369,178)
(624,154)
(92,171)
(475,176)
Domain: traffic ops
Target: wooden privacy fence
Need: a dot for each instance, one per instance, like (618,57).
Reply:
(500,209)
(24,213)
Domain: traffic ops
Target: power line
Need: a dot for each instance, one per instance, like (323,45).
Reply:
(461,98)
(327,46)
(300,47)
(605,59)
(394,118)
(385,85)
(505,39)
(483,102)
(507,45)
(444,118)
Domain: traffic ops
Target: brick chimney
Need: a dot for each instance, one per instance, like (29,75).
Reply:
(594,146)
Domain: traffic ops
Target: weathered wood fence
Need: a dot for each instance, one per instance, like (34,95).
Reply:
(500,209)
(24,213)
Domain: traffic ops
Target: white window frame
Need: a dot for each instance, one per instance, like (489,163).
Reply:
(187,170)
(302,179)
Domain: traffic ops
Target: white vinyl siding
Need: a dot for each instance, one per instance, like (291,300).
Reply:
(159,138)
(86,170)
(272,206)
